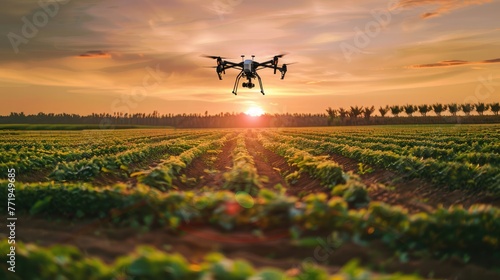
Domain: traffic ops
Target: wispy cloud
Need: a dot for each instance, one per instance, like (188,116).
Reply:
(448,63)
(443,6)
(94,54)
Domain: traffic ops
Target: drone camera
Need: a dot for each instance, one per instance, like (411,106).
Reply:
(248,85)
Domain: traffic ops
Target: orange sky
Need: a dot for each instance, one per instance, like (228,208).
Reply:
(139,56)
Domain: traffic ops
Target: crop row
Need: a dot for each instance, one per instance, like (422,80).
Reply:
(465,142)
(453,145)
(161,177)
(412,149)
(29,157)
(442,231)
(243,174)
(67,262)
(89,168)
(64,140)
(451,174)
(328,172)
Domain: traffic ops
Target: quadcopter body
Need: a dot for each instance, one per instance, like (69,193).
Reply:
(248,70)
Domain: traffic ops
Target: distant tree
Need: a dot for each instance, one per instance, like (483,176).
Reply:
(438,108)
(368,111)
(495,108)
(467,108)
(343,113)
(332,114)
(395,110)
(355,111)
(383,110)
(453,108)
(410,109)
(424,109)
(481,108)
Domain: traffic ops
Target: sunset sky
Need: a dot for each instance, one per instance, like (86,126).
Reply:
(84,56)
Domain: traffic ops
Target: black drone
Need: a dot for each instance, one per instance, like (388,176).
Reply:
(248,69)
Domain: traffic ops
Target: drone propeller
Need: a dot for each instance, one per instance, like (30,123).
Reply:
(275,61)
(220,64)
(219,59)
(284,69)
(213,57)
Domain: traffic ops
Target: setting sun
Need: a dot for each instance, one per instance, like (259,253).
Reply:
(255,111)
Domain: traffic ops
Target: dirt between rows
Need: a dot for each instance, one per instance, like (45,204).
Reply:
(207,172)
(268,164)
(273,248)
(275,168)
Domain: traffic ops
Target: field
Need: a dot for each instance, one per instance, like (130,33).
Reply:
(384,202)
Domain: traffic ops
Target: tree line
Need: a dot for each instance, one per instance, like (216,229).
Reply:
(355,115)
(219,120)
(341,115)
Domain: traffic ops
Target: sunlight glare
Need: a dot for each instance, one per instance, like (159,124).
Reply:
(255,111)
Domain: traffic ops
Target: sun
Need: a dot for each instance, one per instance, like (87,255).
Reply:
(255,111)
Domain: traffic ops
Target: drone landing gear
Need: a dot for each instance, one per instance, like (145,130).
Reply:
(235,88)
(249,84)
(260,83)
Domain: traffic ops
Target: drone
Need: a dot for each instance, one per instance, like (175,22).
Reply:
(248,69)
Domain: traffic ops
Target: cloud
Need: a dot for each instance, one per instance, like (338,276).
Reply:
(495,60)
(443,6)
(94,54)
(428,15)
(447,63)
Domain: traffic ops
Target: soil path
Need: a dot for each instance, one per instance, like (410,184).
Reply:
(214,178)
(275,168)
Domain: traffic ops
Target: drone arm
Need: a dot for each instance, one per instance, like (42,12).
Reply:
(267,63)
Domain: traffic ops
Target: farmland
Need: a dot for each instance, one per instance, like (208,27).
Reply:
(276,203)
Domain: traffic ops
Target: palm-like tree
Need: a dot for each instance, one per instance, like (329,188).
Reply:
(410,109)
(424,109)
(383,110)
(495,108)
(395,110)
(438,108)
(355,111)
(368,111)
(332,113)
(467,108)
(343,113)
(481,107)
(453,108)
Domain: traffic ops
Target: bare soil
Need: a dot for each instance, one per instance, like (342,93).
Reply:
(213,179)
(275,168)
